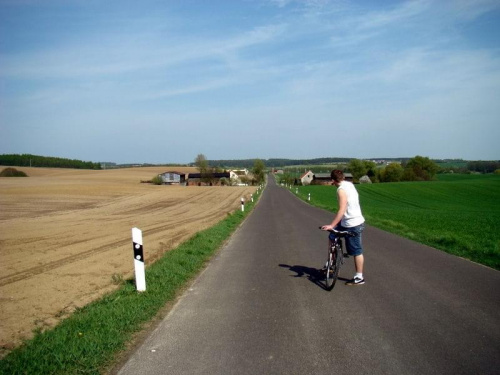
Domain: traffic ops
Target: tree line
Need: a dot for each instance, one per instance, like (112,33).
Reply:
(207,171)
(483,166)
(418,168)
(283,163)
(28,160)
(277,163)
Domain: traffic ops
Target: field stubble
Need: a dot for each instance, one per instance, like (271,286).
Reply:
(65,236)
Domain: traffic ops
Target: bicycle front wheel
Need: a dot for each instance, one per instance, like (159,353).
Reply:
(333,266)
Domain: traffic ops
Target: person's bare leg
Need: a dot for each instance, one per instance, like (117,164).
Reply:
(359,262)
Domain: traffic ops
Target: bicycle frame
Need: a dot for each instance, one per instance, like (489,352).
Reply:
(338,241)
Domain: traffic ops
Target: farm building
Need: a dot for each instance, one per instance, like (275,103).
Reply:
(306,178)
(210,179)
(325,178)
(240,172)
(173,178)
(348,177)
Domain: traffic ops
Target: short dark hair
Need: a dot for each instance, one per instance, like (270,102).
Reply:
(337,175)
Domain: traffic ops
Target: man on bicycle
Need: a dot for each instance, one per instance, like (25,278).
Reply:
(349,218)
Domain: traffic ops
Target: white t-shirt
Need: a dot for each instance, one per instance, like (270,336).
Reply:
(353,216)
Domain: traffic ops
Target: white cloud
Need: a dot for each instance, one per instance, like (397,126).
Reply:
(322,65)
(401,13)
(471,9)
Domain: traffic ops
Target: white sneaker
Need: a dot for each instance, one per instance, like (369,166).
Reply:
(356,281)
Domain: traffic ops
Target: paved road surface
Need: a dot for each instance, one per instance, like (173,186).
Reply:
(259,309)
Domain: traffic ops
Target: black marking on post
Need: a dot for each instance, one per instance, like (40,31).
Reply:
(138,253)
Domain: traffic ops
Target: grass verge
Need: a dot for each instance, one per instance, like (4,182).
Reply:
(89,340)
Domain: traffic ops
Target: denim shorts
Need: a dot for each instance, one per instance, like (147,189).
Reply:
(352,244)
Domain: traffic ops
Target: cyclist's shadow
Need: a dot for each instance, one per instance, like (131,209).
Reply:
(314,275)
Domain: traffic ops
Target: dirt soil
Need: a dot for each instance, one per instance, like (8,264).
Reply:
(65,236)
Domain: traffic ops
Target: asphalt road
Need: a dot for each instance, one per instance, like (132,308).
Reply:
(259,308)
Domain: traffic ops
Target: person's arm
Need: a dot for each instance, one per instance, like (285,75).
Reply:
(342,199)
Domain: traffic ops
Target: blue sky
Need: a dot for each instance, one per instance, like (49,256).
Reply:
(162,81)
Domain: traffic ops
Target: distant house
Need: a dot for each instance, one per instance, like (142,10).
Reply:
(239,176)
(210,179)
(306,178)
(173,178)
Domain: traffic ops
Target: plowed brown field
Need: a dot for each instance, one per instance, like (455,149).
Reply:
(65,236)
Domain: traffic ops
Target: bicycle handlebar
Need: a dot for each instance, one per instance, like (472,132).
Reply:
(340,233)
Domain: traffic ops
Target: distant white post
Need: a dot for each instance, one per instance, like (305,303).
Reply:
(140,275)
(251,196)
(309,197)
(296,190)
(242,204)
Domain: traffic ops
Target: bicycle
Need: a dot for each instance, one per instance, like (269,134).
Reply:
(335,257)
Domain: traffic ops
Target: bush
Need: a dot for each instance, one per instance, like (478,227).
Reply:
(12,172)
(157,180)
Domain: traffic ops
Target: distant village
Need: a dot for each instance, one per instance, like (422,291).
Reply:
(311,178)
(243,177)
(235,177)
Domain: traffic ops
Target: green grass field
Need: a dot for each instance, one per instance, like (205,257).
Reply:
(459,214)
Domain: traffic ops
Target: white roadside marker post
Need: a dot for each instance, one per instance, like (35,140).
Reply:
(296,190)
(140,275)
(251,196)
(309,197)
(242,204)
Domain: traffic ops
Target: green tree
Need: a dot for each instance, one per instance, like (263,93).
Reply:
(245,180)
(420,168)
(357,168)
(201,163)
(258,171)
(206,173)
(392,173)
(371,168)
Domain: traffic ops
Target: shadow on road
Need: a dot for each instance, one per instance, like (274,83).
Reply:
(314,275)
